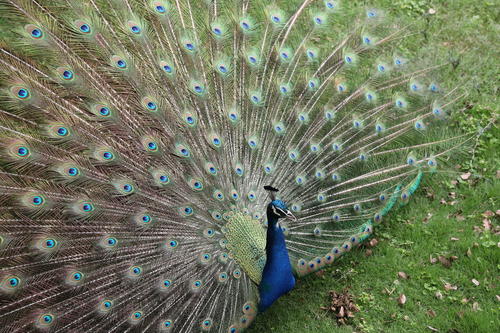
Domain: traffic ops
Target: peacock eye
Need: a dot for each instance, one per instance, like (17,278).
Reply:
(104,111)
(67,75)
(22,151)
(85,28)
(36,33)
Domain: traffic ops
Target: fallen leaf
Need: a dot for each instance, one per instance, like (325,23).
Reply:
(373,242)
(429,193)
(406,318)
(438,295)
(454,239)
(475,306)
(488,213)
(487,224)
(453,258)
(433,329)
(476,282)
(443,202)
(403,275)
(427,218)
(465,176)
(342,306)
(432,260)
(431,313)
(452,195)
(465,300)
(432,11)
(389,292)
(444,261)
(498,173)
(498,212)
(368,252)
(460,218)
(498,297)
(402,299)
(449,286)
(469,252)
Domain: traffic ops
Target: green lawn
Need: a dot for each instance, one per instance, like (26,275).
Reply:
(448,216)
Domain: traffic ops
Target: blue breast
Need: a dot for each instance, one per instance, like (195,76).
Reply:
(277,277)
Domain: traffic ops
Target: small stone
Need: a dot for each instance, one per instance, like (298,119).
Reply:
(402,299)
(432,11)
(403,275)
(476,282)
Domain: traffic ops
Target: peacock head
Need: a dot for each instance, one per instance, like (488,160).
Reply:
(277,208)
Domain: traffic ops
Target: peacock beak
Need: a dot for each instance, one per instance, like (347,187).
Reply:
(290,216)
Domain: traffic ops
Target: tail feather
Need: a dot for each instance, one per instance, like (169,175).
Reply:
(136,137)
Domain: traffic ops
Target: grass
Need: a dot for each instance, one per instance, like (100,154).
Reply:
(465,32)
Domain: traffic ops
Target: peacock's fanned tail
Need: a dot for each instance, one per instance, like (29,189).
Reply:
(136,137)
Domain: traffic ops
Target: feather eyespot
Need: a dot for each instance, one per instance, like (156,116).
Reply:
(206,324)
(111,241)
(34,31)
(23,151)
(45,320)
(172,244)
(66,74)
(105,305)
(50,243)
(21,93)
(136,316)
(87,207)
(119,62)
(85,28)
(134,28)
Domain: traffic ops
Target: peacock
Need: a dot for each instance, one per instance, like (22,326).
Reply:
(176,165)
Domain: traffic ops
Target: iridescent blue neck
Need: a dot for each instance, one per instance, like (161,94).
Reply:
(277,277)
